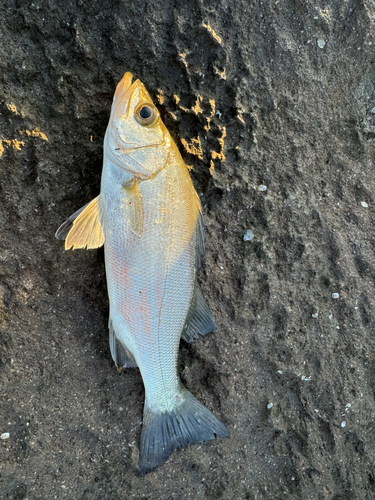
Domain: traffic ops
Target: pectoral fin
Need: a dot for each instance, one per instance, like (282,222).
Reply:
(132,206)
(199,320)
(83,229)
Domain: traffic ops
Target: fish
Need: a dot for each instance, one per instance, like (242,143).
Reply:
(149,218)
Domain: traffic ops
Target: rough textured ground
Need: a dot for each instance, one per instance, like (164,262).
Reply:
(290,369)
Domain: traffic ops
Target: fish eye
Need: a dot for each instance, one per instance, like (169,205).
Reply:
(145,114)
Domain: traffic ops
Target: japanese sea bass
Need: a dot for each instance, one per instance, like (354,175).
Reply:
(148,216)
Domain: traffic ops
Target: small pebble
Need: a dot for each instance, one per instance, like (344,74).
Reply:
(269,406)
(248,236)
(364,204)
(335,295)
(321,43)
(5,435)
(373,111)
(315,315)
(262,187)
(343,424)
(279,371)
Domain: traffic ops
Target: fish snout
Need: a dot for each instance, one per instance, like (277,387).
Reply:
(123,86)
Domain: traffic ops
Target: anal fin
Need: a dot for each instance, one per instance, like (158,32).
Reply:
(121,356)
(199,320)
(83,229)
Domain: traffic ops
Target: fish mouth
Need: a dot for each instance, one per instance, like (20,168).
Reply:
(123,90)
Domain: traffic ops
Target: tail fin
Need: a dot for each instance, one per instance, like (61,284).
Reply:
(162,433)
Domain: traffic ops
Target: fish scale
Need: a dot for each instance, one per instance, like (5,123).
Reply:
(148,216)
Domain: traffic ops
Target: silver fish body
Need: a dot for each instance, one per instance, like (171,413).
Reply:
(150,277)
(149,217)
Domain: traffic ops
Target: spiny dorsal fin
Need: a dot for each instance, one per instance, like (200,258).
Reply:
(200,241)
(120,355)
(201,237)
(132,206)
(199,320)
(83,229)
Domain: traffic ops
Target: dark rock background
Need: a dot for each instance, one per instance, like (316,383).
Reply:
(297,119)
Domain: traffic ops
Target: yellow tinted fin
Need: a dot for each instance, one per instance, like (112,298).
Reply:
(64,229)
(132,206)
(85,230)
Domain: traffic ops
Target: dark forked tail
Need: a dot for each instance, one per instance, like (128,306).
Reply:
(162,433)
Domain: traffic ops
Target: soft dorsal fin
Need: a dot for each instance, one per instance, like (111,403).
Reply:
(121,356)
(199,320)
(132,206)
(83,229)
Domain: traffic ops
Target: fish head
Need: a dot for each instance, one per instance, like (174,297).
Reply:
(136,137)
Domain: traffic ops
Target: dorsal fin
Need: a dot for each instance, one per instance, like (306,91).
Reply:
(199,320)
(83,229)
(201,237)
